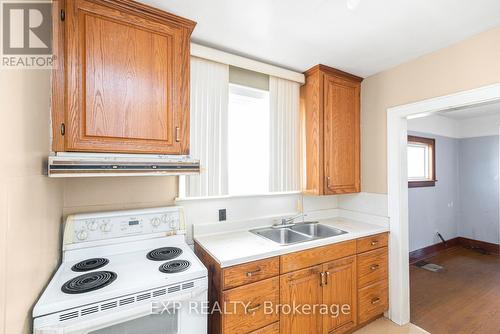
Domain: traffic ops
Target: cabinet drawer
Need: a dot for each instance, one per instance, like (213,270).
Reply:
(250,272)
(245,306)
(318,255)
(271,329)
(372,242)
(372,301)
(372,267)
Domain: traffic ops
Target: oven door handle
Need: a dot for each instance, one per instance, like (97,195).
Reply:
(118,316)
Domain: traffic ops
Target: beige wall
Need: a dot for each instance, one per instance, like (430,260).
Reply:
(100,194)
(32,205)
(472,63)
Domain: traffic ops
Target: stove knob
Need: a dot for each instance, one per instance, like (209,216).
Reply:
(155,222)
(92,225)
(165,219)
(82,235)
(106,227)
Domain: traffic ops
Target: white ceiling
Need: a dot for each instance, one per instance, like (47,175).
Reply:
(298,34)
(472,112)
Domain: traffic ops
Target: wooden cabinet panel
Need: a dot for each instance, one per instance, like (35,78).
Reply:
(314,256)
(372,242)
(250,272)
(341,135)
(330,107)
(373,300)
(271,329)
(372,267)
(340,292)
(248,304)
(127,78)
(301,287)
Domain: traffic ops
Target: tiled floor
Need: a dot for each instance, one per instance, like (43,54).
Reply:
(385,326)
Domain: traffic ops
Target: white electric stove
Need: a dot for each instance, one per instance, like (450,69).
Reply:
(125,272)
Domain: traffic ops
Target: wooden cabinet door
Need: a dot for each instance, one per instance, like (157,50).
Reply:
(341,135)
(301,287)
(127,80)
(339,290)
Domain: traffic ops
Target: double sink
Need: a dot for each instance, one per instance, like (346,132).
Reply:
(300,232)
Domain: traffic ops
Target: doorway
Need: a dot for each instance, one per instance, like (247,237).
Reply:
(397,175)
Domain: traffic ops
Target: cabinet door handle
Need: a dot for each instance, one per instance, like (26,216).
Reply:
(327,276)
(322,278)
(328,179)
(374,242)
(253,309)
(251,273)
(177,134)
(374,267)
(375,301)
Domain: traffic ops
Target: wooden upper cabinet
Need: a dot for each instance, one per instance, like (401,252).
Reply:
(330,103)
(127,79)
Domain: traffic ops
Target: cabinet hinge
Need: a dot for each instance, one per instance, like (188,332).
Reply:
(63,15)
(63,129)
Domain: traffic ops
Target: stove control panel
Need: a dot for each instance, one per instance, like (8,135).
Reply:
(116,224)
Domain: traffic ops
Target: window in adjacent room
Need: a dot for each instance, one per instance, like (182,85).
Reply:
(421,162)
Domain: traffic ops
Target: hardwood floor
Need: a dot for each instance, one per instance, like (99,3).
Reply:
(463,298)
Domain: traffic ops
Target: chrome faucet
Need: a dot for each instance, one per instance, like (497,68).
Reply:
(288,221)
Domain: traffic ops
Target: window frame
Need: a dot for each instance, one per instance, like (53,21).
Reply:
(431,143)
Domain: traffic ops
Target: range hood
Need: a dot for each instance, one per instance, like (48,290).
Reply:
(104,164)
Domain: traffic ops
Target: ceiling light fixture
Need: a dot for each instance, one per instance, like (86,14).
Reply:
(353,4)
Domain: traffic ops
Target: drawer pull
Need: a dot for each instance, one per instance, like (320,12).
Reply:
(375,301)
(374,267)
(251,273)
(374,242)
(253,309)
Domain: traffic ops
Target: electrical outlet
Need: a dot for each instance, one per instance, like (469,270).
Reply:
(222,215)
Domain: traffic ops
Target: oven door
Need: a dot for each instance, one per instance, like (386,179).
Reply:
(184,316)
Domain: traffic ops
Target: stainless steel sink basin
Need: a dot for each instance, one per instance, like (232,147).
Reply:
(301,232)
(316,230)
(283,236)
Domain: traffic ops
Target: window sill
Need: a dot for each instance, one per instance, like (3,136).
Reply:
(213,198)
(420,184)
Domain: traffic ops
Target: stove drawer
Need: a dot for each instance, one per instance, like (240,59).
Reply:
(246,306)
(250,272)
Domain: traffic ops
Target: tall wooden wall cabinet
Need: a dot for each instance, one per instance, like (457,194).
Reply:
(122,82)
(330,103)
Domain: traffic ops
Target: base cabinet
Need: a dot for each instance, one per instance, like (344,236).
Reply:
(339,293)
(332,289)
(302,288)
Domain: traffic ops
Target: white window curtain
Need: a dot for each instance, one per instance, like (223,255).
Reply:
(209,105)
(284,166)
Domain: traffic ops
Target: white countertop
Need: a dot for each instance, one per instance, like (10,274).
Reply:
(242,246)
